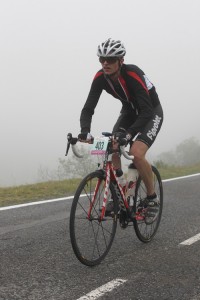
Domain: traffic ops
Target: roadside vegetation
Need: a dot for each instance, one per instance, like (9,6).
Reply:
(63,181)
(62,188)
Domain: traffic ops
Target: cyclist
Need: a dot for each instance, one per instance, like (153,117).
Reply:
(141,112)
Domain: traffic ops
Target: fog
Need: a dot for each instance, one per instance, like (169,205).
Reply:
(48,60)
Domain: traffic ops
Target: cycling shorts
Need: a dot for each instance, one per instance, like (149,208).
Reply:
(149,132)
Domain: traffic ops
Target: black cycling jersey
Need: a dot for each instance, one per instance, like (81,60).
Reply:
(136,93)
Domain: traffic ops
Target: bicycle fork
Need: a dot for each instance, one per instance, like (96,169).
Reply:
(105,196)
(106,189)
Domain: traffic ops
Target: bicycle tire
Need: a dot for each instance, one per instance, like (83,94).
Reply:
(91,238)
(146,223)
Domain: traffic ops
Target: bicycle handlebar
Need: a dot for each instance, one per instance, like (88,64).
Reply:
(76,153)
(72,141)
(125,154)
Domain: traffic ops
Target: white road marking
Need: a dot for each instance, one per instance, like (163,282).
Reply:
(182,177)
(191,240)
(99,292)
(37,202)
(71,197)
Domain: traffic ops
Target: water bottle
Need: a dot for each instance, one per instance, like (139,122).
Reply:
(132,176)
(121,178)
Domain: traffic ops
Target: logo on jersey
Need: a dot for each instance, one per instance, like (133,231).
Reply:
(148,82)
(152,133)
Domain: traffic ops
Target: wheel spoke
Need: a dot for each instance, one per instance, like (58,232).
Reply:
(91,237)
(147,221)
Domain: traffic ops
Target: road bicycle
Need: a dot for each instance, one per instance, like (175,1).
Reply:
(92,230)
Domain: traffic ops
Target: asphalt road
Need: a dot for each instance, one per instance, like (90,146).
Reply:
(37,261)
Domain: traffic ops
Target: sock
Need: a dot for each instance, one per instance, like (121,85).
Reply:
(151,197)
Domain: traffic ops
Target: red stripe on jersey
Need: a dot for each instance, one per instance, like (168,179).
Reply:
(97,75)
(135,76)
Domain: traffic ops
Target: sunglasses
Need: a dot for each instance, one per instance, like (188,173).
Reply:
(109,60)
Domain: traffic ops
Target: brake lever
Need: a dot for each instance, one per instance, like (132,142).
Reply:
(71,141)
(69,137)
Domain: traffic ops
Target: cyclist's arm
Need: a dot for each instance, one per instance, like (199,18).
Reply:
(91,102)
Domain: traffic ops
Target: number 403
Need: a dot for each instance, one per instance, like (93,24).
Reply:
(99,145)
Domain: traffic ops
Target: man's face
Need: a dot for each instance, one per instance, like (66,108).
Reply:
(110,65)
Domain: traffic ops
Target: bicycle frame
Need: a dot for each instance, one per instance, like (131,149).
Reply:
(92,224)
(110,176)
(110,172)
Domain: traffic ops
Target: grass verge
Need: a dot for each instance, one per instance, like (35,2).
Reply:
(56,189)
(35,192)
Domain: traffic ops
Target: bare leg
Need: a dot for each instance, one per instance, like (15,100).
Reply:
(139,150)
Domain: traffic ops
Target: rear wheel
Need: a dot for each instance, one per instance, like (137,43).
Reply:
(92,237)
(147,219)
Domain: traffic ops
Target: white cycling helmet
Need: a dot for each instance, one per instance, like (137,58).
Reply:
(111,48)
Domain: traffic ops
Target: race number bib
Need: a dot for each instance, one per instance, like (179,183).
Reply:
(99,146)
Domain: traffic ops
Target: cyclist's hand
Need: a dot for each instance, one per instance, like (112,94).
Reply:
(123,138)
(85,137)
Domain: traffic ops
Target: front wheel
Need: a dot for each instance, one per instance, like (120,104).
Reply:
(92,237)
(147,219)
